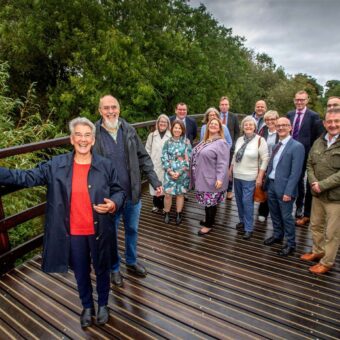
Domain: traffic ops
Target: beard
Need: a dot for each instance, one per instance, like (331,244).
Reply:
(111,123)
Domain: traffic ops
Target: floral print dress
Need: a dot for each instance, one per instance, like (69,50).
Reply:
(176,157)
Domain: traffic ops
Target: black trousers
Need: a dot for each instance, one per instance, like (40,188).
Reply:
(264,209)
(82,250)
(304,198)
(230,183)
(158,202)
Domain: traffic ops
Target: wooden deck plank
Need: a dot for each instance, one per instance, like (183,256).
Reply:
(218,286)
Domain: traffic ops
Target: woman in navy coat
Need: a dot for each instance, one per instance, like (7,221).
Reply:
(83,192)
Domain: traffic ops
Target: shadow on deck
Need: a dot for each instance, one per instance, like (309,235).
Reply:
(217,286)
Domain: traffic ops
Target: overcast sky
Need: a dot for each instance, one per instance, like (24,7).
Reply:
(303,36)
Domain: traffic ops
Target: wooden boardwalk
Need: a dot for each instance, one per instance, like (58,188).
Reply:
(217,286)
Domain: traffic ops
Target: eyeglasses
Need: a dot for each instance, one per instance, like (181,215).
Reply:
(270,119)
(300,100)
(279,126)
(108,107)
(81,135)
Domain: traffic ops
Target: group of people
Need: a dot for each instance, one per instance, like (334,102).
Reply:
(99,183)
(272,154)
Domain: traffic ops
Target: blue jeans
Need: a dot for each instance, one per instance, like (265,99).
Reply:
(130,213)
(282,218)
(244,194)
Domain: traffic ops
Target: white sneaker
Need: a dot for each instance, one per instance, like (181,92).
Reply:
(261,219)
(154,209)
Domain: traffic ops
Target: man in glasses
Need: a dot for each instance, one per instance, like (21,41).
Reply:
(118,140)
(306,126)
(323,169)
(283,173)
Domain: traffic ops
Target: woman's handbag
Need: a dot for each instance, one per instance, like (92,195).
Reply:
(260,196)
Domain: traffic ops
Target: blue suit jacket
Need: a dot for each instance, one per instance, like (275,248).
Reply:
(288,169)
(310,128)
(190,128)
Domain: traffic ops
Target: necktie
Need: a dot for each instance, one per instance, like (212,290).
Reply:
(224,120)
(275,150)
(297,125)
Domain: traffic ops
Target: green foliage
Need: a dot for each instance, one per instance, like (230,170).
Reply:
(150,54)
(27,128)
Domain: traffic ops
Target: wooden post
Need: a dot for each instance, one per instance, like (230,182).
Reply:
(4,240)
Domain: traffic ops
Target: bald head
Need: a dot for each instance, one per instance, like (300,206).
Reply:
(260,108)
(283,127)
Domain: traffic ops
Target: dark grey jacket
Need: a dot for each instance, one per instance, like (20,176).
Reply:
(137,160)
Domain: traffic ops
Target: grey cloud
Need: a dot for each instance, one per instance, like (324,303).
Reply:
(300,35)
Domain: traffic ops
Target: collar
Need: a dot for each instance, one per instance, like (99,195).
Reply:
(285,140)
(302,111)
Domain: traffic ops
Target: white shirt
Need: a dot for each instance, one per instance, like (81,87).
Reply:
(278,155)
(332,141)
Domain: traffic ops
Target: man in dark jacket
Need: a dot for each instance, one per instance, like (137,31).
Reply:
(189,123)
(306,129)
(118,141)
(231,121)
(323,170)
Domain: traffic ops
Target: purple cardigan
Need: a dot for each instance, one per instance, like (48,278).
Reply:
(212,163)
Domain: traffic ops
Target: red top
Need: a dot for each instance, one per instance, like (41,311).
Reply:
(81,215)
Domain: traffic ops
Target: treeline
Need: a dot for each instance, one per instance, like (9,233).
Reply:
(151,54)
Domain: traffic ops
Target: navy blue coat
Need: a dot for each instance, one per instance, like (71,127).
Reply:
(57,175)
(310,128)
(288,169)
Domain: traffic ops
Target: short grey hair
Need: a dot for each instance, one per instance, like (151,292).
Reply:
(81,121)
(248,119)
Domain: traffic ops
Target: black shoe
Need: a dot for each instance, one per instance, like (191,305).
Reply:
(166,217)
(116,279)
(186,199)
(203,223)
(86,317)
(179,218)
(137,269)
(299,212)
(102,315)
(240,226)
(247,235)
(271,240)
(285,251)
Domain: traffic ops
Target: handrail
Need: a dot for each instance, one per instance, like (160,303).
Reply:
(8,255)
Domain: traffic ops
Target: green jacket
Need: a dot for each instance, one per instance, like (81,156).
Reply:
(323,166)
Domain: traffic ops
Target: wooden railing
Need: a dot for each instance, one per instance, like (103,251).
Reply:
(8,256)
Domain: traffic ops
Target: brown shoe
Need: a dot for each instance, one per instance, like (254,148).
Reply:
(311,257)
(229,196)
(319,269)
(304,221)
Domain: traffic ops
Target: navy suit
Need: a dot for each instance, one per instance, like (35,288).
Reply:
(310,129)
(190,128)
(287,175)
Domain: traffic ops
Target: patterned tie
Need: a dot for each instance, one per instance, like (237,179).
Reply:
(297,125)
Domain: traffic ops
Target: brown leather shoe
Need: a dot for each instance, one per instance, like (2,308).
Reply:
(304,221)
(311,257)
(319,269)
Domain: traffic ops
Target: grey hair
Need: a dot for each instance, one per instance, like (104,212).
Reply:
(81,121)
(206,114)
(167,120)
(271,113)
(248,119)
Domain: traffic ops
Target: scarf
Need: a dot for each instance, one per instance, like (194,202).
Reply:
(240,152)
